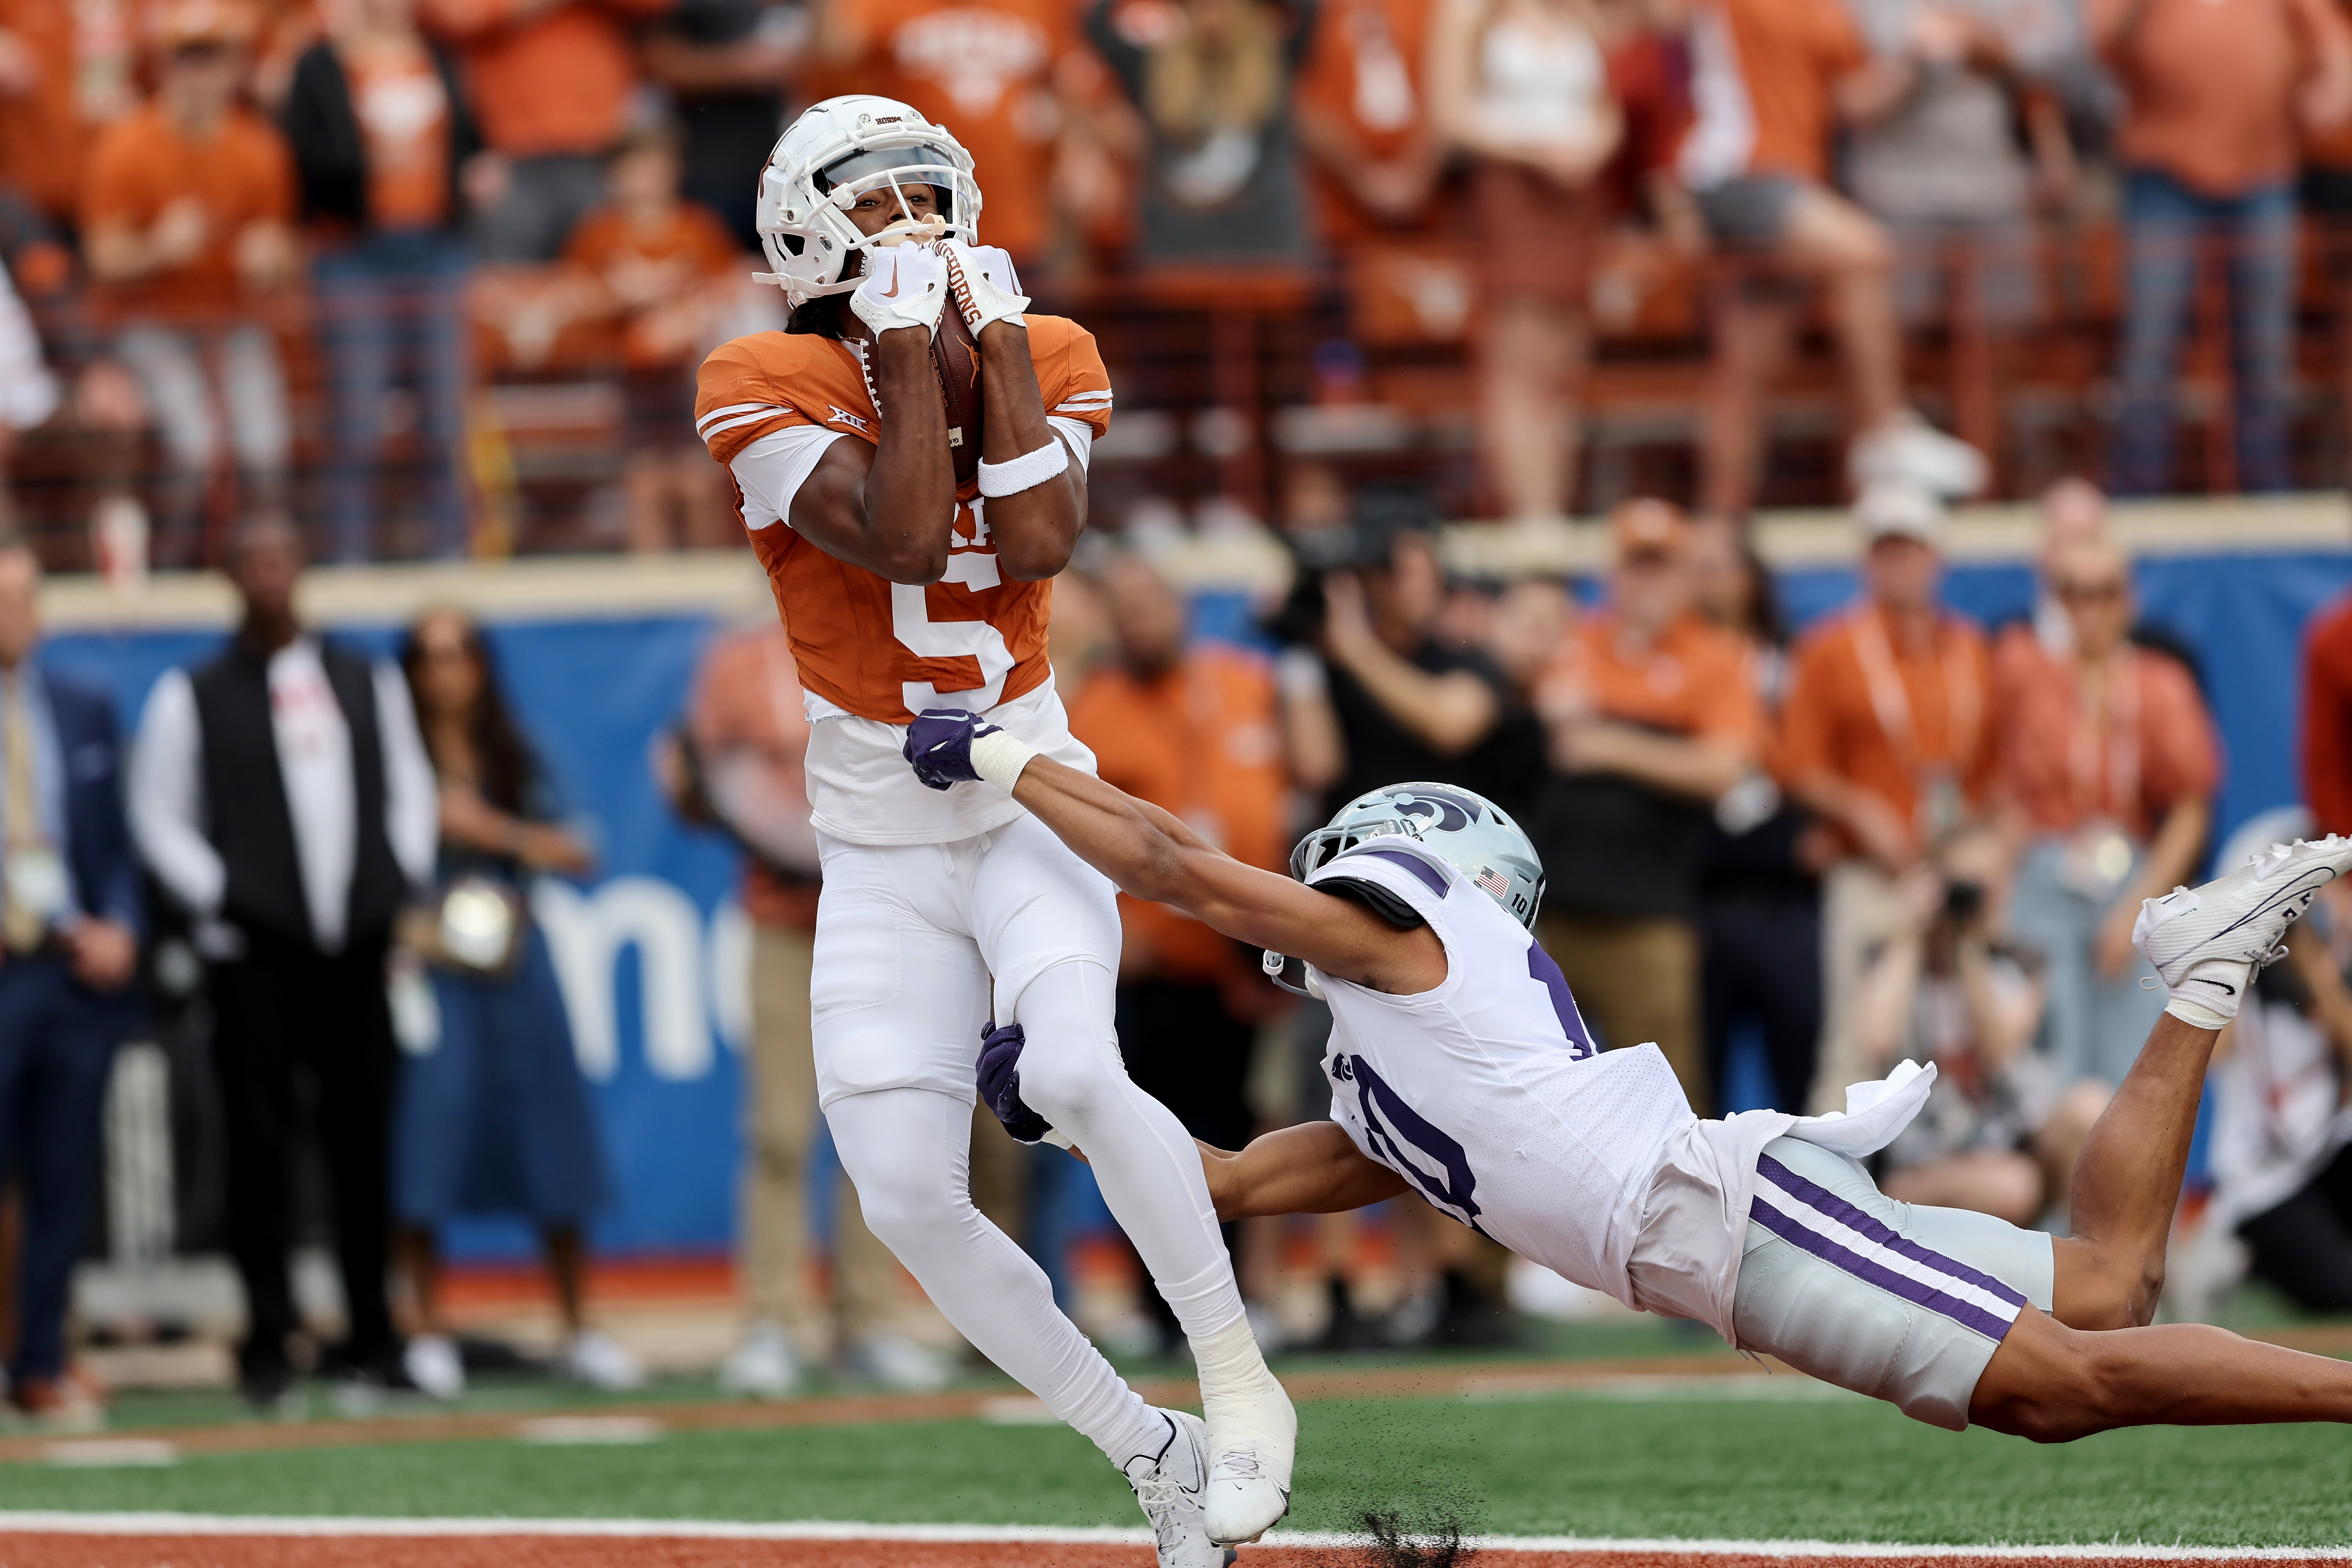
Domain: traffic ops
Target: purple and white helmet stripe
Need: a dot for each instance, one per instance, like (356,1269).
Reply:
(1807,1216)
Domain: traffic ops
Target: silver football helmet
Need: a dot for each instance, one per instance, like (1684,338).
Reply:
(834,153)
(1462,827)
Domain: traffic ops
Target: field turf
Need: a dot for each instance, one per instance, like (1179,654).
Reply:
(1705,1461)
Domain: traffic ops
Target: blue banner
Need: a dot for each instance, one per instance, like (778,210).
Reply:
(652,952)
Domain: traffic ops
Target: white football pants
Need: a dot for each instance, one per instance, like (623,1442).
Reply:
(907,937)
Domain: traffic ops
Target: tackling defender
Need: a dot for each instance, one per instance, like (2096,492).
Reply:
(903,590)
(1460,1072)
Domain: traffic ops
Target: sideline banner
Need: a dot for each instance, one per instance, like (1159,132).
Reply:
(653,952)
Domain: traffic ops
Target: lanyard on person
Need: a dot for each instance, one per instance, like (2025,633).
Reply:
(2119,719)
(1890,701)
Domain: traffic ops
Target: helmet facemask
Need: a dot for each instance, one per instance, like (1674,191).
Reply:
(803,206)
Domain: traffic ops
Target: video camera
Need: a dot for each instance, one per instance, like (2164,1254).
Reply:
(1381,515)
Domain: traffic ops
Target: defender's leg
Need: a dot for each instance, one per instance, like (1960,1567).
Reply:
(2053,1384)
(2127,1182)
(2206,943)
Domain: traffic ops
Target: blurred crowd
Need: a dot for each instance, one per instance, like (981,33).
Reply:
(272,249)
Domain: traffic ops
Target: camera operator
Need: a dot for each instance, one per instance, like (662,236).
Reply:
(1373,696)
(2001,1128)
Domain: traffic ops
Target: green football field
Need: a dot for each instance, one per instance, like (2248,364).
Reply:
(1708,1460)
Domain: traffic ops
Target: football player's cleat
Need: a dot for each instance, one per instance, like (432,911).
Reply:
(1168,1485)
(1253,1434)
(985,288)
(2240,918)
(904,286)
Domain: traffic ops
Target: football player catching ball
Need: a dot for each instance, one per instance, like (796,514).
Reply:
(906,590)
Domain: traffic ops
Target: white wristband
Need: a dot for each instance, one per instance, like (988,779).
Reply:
(1025,472)
(999,757)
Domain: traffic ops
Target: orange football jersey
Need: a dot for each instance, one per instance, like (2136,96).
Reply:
(879,650)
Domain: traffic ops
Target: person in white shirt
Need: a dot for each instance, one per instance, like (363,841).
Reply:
(282,797)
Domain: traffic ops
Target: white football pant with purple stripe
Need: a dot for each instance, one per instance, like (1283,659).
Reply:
(1900,1301)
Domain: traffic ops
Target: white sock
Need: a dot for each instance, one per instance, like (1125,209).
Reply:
(1243,1403)
(2207,995)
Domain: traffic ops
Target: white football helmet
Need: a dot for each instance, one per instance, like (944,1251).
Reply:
(834,153)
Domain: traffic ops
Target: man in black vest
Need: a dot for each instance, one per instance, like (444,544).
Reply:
(281,793)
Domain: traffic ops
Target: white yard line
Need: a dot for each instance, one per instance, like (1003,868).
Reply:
(59,1522)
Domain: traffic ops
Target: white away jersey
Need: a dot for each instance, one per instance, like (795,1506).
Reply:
(1487,1093)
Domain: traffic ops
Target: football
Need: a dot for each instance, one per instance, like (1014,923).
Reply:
(955,355)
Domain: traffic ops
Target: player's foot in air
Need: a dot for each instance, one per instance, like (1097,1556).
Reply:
(2206,941)
(1169,1484)
(1253,1436)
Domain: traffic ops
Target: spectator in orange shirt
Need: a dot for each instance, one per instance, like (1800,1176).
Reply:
(67,72)
(1363,119)
(2327,717)
(737,762)
(988,70)
(382,137)
(664,270)
(1772,81)
(2218,91)
(1192,729)
(552,80)
(2110,758)
(186,221)
(1887,735)
(1650,714)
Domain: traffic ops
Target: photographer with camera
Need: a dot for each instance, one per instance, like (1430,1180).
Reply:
(1372,693)
(2002,1127)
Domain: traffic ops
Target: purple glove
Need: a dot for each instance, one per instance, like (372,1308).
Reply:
(939,744)
(1000,1082)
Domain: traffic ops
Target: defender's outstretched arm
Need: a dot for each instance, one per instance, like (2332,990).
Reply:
(1152,856)
(1312,1168)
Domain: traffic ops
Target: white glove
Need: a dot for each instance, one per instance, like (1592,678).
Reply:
(905,286)
(986,287)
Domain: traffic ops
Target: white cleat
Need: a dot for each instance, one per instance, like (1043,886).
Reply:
(434,1365)
(598,1360)
(1249,1492)
(762,1366)
(897,1363)
(1169,1484)
(1253,1436)
(2240,918)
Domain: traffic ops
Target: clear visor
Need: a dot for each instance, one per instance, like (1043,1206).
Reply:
(895,169)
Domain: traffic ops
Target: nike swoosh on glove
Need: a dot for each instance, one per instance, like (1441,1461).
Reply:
(985,288)
(939,745)
(1000,1082)
(905,286)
